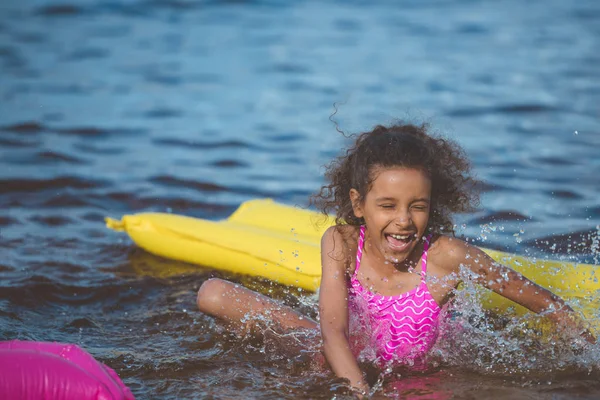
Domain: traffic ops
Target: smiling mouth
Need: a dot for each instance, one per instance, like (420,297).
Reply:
(399,242)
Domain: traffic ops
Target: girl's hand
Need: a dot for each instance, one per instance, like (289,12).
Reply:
(588,336)
(567,321)
(361,390)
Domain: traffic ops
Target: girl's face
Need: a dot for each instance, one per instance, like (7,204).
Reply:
(396,212)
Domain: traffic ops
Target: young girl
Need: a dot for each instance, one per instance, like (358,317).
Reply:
(391,261)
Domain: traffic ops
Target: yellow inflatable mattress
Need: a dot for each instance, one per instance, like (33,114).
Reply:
(281,243)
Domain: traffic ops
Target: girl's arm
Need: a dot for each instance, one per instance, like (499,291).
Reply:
(333,307)
(514,286)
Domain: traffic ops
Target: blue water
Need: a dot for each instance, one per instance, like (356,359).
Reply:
(191,107)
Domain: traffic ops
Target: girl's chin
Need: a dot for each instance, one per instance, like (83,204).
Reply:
(395,261)
(396,258)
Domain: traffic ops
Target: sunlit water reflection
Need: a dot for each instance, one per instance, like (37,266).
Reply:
(192,107)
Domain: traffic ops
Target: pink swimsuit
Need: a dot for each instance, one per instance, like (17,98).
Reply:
(404,327)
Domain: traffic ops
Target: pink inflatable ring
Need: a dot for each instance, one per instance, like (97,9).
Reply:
(44,370)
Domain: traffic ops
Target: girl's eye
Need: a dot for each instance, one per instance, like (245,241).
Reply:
(420,208)
(387,206)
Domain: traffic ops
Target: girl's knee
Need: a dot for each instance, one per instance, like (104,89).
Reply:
(212,295)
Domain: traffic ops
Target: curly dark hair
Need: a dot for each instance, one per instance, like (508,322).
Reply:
(401,145)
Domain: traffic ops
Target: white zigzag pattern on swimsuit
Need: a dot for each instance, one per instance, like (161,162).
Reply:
(406,303)
(384,301)
(396,344)
(414,292)
(410,310)
(411,331)
(408,337)
(407,318)
(404,321)
(429,306)
(417,303)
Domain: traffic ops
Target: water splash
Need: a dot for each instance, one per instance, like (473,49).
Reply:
(595,246)
(486,230)
(480,340)
(517,235)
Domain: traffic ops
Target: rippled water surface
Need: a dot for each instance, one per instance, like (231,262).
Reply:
(191,107)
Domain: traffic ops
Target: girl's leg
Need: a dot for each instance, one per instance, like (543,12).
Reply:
(233,303)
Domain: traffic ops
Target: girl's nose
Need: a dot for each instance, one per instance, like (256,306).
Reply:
(402,219)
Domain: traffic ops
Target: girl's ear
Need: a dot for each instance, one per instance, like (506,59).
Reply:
(356,203)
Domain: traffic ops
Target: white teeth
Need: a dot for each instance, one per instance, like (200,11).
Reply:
(400,237)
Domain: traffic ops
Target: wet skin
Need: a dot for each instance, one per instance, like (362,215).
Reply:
(396,213)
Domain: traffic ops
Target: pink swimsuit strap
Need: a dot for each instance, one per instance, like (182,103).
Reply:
(404,325)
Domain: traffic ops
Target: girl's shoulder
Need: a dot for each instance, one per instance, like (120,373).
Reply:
(339,242)
(344,232)
(448,252)
(446,242)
